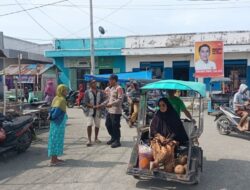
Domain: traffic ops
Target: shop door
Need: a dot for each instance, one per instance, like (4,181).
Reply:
(80,77)
(105,71)
(181,70)
(236,70)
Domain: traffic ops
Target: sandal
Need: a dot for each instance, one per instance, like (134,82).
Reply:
(97,141)
(52,164)
(89,144)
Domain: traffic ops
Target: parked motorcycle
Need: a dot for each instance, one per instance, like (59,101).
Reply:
(16,134)
(71,98)
(227,121)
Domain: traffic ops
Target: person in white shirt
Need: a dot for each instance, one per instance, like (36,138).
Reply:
(204,64)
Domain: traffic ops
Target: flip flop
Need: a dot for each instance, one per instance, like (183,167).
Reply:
(89,144)
(98,141)
(56,164)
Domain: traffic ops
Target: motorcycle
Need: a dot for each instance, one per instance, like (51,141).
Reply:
(71,98)
(126,113)
(16,134)
(227,121)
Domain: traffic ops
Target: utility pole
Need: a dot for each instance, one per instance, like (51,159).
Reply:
(20,56)
(92,50)
(4,93)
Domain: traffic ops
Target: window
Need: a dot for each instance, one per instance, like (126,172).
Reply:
(155,67)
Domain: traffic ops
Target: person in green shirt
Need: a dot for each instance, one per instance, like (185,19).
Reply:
(178,104)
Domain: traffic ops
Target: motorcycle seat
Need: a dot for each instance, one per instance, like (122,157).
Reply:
(230,111)
(17,122)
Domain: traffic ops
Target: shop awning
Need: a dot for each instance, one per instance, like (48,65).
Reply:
(27,69)
(123,77)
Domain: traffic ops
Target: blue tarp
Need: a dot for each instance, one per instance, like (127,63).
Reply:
(122,77)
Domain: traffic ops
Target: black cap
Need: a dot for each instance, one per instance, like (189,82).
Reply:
(114,77)
(92,81)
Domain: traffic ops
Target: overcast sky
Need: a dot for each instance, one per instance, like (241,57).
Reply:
(70,19)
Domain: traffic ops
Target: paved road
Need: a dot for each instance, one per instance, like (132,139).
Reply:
(226,163)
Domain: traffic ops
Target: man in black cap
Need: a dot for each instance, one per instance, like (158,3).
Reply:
(114,108)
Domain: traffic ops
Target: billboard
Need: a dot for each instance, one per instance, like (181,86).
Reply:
(209,59)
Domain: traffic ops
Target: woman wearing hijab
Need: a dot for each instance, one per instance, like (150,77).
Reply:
(167,132)
(167,123)
(49,92)
(58,119)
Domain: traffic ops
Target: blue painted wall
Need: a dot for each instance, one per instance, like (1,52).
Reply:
(120,62)
(191,74)
(81,47)
(248,76)
(168,73)
(64,72)
(116,42)
(105,48)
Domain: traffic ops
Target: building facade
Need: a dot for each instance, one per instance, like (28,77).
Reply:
(72,56)
(14,51)
(168,56)
(172,56)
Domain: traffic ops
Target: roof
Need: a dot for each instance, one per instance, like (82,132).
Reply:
(177,85)
(27,69)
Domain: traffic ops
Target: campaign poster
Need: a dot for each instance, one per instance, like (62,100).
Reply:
(209,59)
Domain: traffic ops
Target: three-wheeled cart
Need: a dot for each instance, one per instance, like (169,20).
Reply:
(193,129)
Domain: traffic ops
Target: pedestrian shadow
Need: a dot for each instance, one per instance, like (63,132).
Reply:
(94,164)
(127,144)
(221,174)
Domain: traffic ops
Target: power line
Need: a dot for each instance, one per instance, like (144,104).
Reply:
(24,10)
(55,21)
(35,20)
(136,5)
(110,6)
(101,19)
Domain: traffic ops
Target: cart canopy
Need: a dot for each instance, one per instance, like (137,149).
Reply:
(177,85)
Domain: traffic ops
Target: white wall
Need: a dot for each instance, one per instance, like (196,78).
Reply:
(22,45)
(187,40)
(134,61)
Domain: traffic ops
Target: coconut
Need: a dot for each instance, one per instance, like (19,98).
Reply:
(179,169)
(183,160)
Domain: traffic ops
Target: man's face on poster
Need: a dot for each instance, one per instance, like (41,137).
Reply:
(204,53)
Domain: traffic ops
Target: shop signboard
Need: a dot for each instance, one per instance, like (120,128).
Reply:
(209,59)
(27,79)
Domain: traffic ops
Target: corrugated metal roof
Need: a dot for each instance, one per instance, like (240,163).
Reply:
(27,69)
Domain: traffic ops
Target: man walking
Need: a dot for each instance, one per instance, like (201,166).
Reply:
(114,108)
(92,100)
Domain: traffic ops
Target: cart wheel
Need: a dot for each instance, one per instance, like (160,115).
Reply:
(197,153)
(221,128)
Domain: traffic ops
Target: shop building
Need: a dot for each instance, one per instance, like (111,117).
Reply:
(171,56)
(30,56)
(72,56)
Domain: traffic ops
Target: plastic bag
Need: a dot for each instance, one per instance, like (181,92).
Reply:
(145,156)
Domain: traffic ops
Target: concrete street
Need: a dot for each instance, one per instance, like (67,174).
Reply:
(226,163)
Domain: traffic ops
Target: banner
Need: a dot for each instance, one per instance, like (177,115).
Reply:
(209,59)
